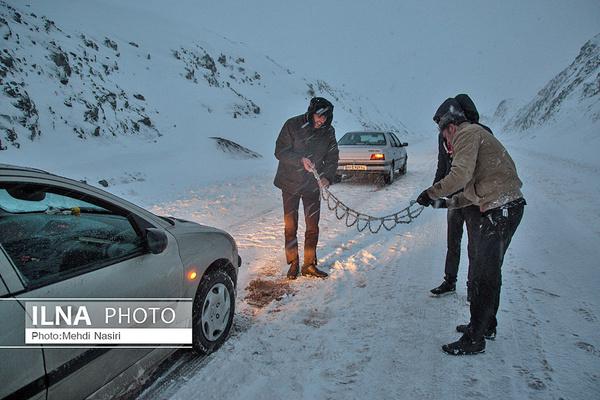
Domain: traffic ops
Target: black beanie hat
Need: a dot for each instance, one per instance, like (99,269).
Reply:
(468,107)
(449,112)
(321,106)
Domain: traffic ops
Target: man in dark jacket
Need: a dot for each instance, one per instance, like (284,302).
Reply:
(306,143)
(456,217)
(482,167)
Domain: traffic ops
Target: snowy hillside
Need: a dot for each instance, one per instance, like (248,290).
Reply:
(577,86)
(121,101)
(565,112)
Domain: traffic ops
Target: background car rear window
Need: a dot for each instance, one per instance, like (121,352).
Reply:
(58,236)
(363,138)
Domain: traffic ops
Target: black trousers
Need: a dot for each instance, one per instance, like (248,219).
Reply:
(456,220)
(312,213)
(497,228)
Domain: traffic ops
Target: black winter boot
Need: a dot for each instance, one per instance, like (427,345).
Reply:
(490,334)
(445,288)
(465,346)
(293,271)
(312,270)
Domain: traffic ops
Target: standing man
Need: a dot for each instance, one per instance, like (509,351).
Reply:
(456,217)
(483,167)
(306,142)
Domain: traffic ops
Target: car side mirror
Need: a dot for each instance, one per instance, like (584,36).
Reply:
(404,144)
(156,240)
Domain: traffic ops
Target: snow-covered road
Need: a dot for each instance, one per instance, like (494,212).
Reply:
(371,330)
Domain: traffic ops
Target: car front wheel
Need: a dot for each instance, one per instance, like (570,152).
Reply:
(213,311)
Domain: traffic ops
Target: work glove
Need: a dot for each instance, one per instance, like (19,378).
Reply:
(440,203)
(424,199)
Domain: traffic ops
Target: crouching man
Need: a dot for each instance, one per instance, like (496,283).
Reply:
(483,167)
(306,142)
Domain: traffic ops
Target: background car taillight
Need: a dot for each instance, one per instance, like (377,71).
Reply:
(377,156)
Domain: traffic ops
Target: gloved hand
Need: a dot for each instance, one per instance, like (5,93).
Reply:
(440,203)
(424,199)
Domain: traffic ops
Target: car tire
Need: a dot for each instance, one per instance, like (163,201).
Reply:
(403,169)
(212,312)
(337,178)
(390,176)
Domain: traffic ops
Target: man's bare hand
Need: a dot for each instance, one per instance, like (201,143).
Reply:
(308,165)
(324,183)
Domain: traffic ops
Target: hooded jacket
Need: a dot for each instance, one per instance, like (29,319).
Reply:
(298,139)
(482,166)
(472,115)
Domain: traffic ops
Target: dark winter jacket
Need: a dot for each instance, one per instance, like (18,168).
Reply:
(298,139)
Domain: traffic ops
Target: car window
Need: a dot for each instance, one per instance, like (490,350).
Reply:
(363,138)
(51,201)
(393,140)
(51,234)
(396,139)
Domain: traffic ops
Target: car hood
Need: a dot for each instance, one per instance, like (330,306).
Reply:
(183,227)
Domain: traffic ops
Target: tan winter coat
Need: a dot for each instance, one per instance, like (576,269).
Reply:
(483,167)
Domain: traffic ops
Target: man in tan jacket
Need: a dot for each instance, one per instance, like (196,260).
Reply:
(484,169)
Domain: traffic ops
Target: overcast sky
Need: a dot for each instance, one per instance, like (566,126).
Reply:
(407,56)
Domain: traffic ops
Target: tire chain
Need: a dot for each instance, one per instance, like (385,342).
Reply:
(352,217)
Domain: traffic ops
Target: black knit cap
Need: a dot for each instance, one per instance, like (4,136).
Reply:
(321,106)
(449,112)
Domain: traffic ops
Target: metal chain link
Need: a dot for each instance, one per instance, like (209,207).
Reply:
(362,221)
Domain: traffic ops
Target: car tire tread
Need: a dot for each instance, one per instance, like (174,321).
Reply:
(199,342)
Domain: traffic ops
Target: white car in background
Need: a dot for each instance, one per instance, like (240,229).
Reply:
(366,152)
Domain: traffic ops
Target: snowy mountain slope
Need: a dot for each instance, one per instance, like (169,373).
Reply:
(504,111)
(100,102)
(56,81)
(563,119)
(577,86)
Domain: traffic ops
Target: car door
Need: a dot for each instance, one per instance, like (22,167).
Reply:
(393,148)
(53,259)
(401,151)
(21,369)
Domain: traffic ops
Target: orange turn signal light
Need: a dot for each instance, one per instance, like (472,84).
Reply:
(191,275)
(377,156)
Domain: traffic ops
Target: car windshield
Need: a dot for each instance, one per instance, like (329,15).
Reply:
(363,138)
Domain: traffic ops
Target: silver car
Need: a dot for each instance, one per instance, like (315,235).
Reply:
(60,238)
(366,152)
